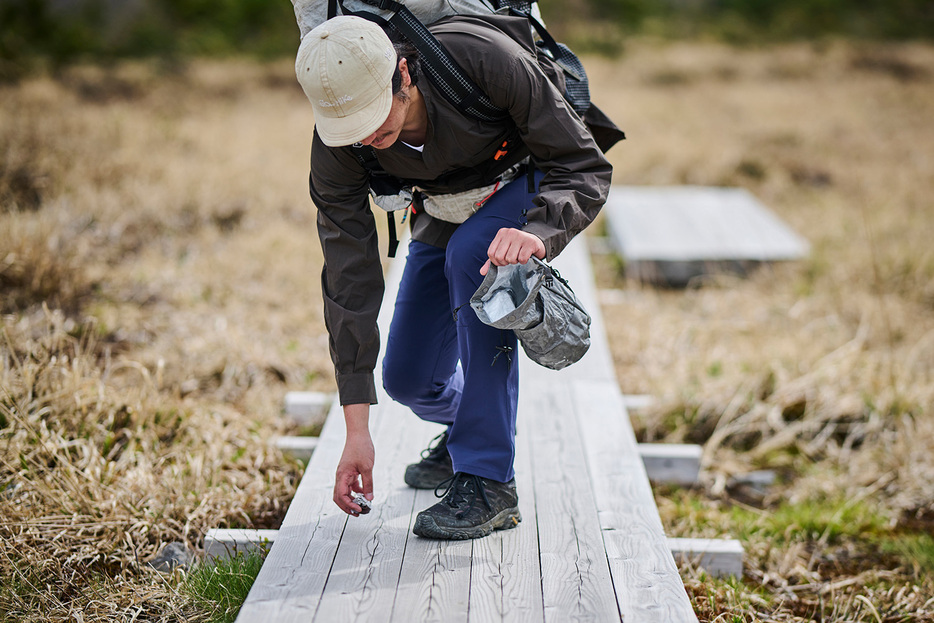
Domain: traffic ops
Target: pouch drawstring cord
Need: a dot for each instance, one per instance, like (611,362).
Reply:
(458,308)
(503,350)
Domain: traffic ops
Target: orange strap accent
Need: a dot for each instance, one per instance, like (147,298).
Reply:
(502,151)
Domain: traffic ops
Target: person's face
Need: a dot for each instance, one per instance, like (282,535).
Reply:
(388,133)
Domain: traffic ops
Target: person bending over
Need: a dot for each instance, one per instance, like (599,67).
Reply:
(482,193)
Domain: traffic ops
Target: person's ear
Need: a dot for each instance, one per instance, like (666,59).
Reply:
(404,72)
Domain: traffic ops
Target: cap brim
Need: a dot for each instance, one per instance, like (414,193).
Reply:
(353,128)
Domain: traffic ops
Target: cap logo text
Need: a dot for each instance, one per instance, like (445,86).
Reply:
(340,101)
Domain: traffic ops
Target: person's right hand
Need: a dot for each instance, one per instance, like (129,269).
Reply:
(355,468)
(513,246)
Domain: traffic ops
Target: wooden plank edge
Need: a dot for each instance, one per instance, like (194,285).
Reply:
(645,577)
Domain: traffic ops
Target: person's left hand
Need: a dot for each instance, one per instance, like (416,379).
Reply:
(354,473)
(513,246)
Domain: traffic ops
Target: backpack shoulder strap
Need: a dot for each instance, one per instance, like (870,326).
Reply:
(444,72)
(382,183)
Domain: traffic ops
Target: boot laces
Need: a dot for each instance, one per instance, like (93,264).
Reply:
(437,448)
(461,493)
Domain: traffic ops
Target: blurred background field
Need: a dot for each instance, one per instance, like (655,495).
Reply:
(159,273)
(57,32)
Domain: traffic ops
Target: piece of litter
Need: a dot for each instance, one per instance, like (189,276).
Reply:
(362,502)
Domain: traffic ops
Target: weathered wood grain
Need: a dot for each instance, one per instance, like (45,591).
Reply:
(434,584)
(646,581)
(506,574)
(590,546)
(291,583)
(576,581)
(365,571)
(644,573)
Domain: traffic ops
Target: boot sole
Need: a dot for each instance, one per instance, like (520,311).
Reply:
(425,526)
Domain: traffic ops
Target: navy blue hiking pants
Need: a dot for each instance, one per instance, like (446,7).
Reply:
(441,361)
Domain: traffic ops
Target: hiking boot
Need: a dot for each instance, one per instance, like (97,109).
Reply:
(434,468)
(471,507)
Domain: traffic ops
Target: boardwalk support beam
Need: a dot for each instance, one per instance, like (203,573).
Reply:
(222,543)
(671,463)
(718,557)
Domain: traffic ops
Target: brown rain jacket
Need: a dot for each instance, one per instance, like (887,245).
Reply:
(574,187)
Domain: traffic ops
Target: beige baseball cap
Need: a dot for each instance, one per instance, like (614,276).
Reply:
(345,67)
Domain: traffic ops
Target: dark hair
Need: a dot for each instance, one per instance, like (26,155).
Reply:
(405,50)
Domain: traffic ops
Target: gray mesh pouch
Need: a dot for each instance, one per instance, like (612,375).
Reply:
(533,300)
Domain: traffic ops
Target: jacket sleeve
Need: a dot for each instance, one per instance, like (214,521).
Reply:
(352,277)
(577,173)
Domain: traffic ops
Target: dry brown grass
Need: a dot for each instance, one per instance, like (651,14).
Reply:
(824,355)
(822,370)
(141,414)
(159,276)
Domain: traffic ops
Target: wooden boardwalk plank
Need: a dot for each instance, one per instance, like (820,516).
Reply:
(698,223)
(671,463)
(223,543)
(671,235)
(506,574)
(434,585)
(576,556)
(293,578)
(575,578)
(718,557)
(645,577)
(365,573)
(647,582)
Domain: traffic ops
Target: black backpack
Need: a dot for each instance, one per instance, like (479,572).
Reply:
(557,61)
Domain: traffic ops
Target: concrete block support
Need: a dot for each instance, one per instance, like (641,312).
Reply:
(671,463)
(308,408)
(222,543)
(300,448)
(718,557)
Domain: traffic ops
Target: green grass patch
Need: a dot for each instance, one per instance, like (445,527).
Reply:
(915,549)
(222,588)
(19,593)
(830,520)
(728,596)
